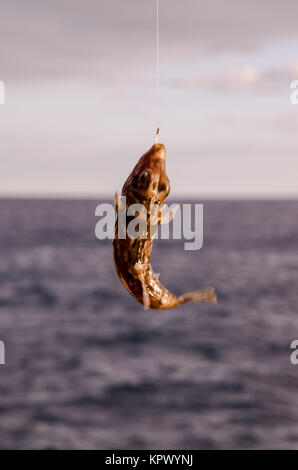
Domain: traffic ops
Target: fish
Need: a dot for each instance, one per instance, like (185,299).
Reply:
(147,184)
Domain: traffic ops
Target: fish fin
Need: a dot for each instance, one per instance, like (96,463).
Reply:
(201,295)
(146,300)
(116,200)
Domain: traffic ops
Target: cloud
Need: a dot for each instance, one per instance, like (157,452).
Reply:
(247,78)
(222,80)
(80,94)
(98,38)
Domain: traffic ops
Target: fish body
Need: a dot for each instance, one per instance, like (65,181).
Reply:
(148,185)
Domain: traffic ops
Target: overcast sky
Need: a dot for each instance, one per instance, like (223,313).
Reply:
(80,95)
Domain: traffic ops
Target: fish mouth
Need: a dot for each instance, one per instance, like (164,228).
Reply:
(158,152)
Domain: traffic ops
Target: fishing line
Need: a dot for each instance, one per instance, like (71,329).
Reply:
(157,73)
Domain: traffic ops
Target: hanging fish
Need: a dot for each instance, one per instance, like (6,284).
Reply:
(148,185)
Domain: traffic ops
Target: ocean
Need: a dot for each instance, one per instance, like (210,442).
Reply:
(88,368)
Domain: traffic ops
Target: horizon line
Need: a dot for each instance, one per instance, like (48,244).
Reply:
(210,197)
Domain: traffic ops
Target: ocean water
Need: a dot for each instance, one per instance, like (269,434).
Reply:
(88,368)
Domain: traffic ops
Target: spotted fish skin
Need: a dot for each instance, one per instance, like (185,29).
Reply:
(147,184)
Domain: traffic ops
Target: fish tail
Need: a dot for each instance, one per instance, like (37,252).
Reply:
(201,295)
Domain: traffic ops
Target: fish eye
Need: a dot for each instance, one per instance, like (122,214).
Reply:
(135,181)
(163,186)
(144,180)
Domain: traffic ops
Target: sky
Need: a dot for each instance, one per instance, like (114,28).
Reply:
(81,107)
